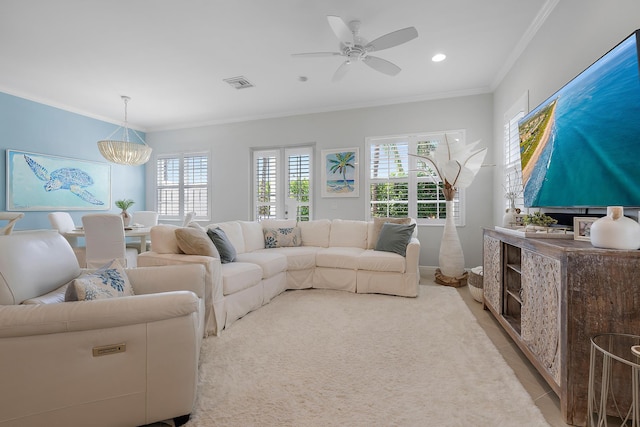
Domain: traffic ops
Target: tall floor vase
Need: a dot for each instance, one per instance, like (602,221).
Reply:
(451,259)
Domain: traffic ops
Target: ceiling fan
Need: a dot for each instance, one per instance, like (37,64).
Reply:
(355,48)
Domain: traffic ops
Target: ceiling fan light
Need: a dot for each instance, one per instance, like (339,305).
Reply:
(438,57)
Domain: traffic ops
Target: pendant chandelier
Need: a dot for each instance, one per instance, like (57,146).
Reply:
(125,152)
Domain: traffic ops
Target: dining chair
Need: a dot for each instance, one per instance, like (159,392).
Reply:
(188,218)
(104,236)
(63,222)
(145,219)
(11,218)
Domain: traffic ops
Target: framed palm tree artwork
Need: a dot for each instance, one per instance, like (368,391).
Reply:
(340,173)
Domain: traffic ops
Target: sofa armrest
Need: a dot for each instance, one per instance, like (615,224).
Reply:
(412,256)
(215,313)
(42,319)
(149,280)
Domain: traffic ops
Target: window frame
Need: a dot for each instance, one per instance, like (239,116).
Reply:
(181,186)
(412,178)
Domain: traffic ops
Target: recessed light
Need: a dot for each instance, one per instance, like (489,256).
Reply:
(438,57)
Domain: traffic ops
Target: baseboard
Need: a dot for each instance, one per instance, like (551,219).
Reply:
(427,270)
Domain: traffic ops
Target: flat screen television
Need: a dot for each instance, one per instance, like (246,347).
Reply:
(581,146)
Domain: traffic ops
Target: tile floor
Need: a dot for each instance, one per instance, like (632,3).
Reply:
(533,382)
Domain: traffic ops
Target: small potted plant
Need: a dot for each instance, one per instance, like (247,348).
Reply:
(538,220)
(125,204)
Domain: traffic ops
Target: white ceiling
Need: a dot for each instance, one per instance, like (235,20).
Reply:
(171,56)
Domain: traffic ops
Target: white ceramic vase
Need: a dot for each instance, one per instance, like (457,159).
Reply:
(615,231)
(451,257)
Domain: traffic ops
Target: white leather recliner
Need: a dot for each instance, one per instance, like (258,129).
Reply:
(123,361)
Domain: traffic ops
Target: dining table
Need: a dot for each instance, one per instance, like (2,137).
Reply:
(137,232)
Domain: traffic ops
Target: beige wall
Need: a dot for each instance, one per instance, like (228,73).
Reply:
(576,34)
(230,145)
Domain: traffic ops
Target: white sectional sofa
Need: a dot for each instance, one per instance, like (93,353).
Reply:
(333,254)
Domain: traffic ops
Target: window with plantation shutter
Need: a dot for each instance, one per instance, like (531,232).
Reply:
(282,183)
(298,181)
(182,185)
(512,178)
(265,184)
(402,185)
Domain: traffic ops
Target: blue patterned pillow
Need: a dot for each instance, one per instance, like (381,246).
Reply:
(282,237)
(109,281)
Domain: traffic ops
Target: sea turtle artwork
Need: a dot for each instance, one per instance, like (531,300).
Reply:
(72,179)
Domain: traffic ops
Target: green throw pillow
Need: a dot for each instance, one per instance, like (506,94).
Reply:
(395,238)
(223,244)
(109,281)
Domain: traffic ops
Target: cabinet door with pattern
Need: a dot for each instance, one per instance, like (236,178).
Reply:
(491,281)
(541,285)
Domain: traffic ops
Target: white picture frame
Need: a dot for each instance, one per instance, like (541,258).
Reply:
(582,227)
(340,172)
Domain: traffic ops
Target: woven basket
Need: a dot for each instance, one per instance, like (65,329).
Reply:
(475,283)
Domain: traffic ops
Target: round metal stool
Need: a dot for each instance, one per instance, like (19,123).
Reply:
(619,370)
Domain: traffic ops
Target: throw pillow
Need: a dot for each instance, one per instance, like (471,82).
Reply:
(163,239)
(378,222)
(109,281)
(223,244)
(282,237)
(395,238)
(193,241)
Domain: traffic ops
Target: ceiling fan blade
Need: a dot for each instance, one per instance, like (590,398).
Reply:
(393,39)
(316,54)
(341,29)
(382,65)
(341,71)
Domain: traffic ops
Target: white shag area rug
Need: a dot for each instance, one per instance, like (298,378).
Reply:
(332,358)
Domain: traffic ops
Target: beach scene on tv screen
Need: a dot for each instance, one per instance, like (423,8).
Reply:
(581,146)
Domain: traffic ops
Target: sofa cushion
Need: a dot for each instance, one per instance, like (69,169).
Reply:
(163,239)
(270,262)
(376,226)
(338,257)
(226,250)
(238,276)
(253,237)
(315,233)
(195,225)
(278,223)
(395,238)
(193,241)
(298,257)
(382,261)
(233,230)
(282,237)
(109,281)
(348,233)
(54,297)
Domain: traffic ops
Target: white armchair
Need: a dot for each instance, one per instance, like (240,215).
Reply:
(121,361)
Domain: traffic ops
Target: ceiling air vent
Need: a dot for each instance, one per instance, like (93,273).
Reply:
(239,82)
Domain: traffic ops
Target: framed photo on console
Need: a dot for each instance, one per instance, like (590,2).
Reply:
(582,227)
